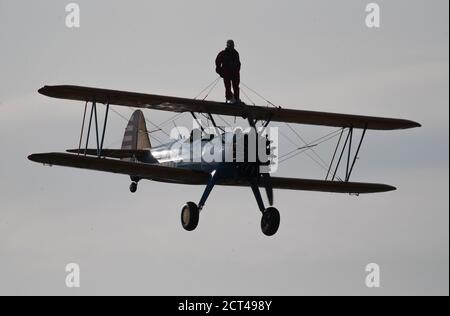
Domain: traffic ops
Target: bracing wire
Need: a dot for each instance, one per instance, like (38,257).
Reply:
(315,142)
(170,119)
(259,95)
(319,161)
(246,95)
(213,83)
(211,89)
(305,142)
(159,128)
(223,120)
(126,120)
(312,144)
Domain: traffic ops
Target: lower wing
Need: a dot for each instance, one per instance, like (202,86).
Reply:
(188,176)
(137,169)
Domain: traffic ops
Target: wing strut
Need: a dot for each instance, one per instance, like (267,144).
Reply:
(356,155)
(334,154)
(82,128)
(351,161)
(100,140)
(198,122)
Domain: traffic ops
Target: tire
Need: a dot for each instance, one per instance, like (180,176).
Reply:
(133,187)
(190,216)
(270,221)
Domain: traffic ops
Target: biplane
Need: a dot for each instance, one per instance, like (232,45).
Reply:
(139,160)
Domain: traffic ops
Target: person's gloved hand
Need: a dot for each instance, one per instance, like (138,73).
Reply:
(219,71)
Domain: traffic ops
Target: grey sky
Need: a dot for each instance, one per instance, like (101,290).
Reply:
(316,55)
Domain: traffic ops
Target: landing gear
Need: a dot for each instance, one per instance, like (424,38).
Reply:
(191,212)
(133,187)
(189,216)
(270,221)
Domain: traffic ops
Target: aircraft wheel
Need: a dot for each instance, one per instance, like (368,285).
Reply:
(270,221)
(133,187)
(190,216)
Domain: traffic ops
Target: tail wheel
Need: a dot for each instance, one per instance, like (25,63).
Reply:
(189,216)
(133,187)
(270,221)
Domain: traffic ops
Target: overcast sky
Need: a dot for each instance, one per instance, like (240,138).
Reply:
(316,55)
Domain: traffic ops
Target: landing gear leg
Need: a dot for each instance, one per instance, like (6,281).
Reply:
(212,181)
(270,220)
(190,213)
(257,194)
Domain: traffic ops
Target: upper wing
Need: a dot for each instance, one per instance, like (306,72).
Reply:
(141,170)
(176,104)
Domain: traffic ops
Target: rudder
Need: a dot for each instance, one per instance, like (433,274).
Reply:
(136,134)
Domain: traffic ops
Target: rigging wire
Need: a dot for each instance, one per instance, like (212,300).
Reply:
(126,120)
(159,128)
(172,118)
(154,124)
(305,142)
(211,89)
(321,162)
(323,139)
(259,95)
(316,142)
(223,120)
(246,95)
(207,87)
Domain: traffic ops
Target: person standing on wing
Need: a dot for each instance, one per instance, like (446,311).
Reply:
(228,66)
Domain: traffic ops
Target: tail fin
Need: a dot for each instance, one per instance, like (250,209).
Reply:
(136,134)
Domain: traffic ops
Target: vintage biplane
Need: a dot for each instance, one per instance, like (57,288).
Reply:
(140,160)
